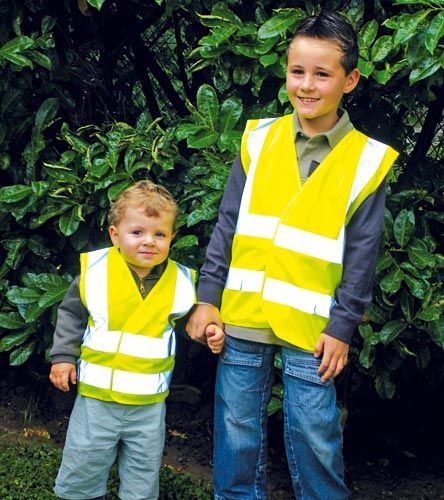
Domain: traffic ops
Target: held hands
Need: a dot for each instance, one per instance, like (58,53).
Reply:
(61,374)
(203,316)
(215,338)
(334,356)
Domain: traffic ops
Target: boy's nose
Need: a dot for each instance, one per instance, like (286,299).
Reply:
(149,240)
(307,83)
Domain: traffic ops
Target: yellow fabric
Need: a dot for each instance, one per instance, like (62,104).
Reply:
(319,207)
(129,312)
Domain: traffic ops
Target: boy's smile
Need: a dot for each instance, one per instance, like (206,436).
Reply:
(316,82)
(144,241)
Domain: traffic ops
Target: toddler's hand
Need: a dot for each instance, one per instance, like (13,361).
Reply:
(61,374)
(215,338)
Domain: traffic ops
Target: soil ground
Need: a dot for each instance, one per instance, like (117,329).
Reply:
(378,463)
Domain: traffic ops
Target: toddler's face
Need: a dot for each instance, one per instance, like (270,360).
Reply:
(144,241)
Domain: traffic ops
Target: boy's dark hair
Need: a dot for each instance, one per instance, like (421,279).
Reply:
(330,25)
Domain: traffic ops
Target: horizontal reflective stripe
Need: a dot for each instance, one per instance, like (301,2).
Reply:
(96,375)
(298,298)
(368,164)
(314,245)
(140,346)
(141,383)
(122,381)
(260,226)
(244,279)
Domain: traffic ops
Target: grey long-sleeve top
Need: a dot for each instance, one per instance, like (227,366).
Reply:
(362,236)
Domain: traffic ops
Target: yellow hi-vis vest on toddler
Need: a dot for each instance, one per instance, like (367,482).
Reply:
(287,251)
(128,349)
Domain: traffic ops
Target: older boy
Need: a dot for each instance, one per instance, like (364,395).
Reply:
(290,263)
(117,322)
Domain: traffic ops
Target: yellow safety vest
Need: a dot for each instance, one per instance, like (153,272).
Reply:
(128,349)
(287,251)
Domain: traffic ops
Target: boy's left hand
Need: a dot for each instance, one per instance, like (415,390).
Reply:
(215,338)
(334,356)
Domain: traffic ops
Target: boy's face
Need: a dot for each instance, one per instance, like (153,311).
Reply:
(316,82)
(144,241)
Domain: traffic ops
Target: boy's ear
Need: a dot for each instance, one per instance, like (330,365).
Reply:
(352,80)
(114,235)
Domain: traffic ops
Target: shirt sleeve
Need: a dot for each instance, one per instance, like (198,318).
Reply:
(72,319)
(362,237)
(218,255)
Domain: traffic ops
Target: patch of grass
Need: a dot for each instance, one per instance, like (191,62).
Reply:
(28,469)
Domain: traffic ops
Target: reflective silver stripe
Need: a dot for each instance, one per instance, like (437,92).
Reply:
(95,375)
(97,273)
(262,226)
(131,344)
(122,381)
(368,164)
(311,244)
(298,298)
(184,292)
(244,279)
(141,383)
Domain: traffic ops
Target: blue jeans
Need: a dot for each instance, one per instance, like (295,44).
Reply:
(313,434)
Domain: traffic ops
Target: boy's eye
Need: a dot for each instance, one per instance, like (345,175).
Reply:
(297,72)
(322,74)
(160,235)
(137,233)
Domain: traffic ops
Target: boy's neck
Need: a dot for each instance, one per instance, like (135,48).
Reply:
(318,126)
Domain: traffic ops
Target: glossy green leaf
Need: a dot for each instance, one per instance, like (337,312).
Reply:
(426,68)
(385,260)
(275,404)
(47,24)
(21,355)
(186,242)
(419,256)
(69,221)
(264,45)
(377,314)
(407,305)
(16,45)
(391,330)
(208,105)
(230,113)
(367,355)
(436,332)
(184,130)
(268,59)
(14,248)
(96,3)
(12,194)
(365,67)
(408,28)
(202,139)
(13,340)
(434,32)
(52,297)
(11,321)
(41,59)
(404,226)
(384,386)
(430,313)
(241,75)
(368,33)
(45,281)
(418,287)
(46,113)
(245,50)
(392,281)
(381,48)
(279,23)
(17,295)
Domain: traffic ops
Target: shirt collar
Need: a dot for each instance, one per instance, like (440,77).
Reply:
(342,127)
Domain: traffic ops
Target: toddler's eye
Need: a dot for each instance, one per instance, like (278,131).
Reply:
(160,235)
(137,233)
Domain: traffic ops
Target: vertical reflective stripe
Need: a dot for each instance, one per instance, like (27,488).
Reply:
(97,274)
(248,224)
(141,383)
(95,375)
(184,292)
(298,298)
(369,162)
(307,243)
(244,279)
